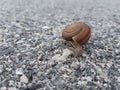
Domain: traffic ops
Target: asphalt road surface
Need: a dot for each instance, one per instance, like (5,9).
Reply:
(33,55)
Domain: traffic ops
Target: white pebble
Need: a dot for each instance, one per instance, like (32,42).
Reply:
(82,83)
(3,88)
(75,64)
(65,69)
(23,79)
(46,27)
(87,78)
(12,88)
(11,82)
(1,68)
(56,57)
(66,53)
(109,64)
(119,70)
(62,58)
(19,71)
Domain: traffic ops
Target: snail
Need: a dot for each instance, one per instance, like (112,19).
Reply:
(77,34)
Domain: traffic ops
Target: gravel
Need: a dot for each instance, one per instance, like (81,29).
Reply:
(33,55)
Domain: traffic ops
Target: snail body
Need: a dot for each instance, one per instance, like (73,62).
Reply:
(78,34)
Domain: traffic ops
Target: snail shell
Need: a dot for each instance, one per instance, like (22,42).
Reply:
(78,34)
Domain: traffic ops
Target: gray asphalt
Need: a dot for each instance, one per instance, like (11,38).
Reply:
(33,54)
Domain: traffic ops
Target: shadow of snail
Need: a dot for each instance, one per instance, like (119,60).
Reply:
(77,34)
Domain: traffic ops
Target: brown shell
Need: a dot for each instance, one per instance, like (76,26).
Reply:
(78,33)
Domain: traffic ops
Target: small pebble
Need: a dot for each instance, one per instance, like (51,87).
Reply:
(83,83)
(65,69)
(12,88)
(19,71)
(56,57)
(11,83)
(3,88)
(87,78)
(24,79)
(46,27)
(75,64)
(1,69)
(66,53)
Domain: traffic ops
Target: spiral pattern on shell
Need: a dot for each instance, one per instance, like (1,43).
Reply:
(78,33)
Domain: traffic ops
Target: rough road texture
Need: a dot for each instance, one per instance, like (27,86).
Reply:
(33,54)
